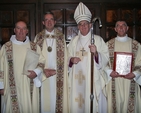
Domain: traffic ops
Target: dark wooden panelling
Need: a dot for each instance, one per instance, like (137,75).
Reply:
(108,10)
(11,13)
(64,14)
(32,11)
(130,13)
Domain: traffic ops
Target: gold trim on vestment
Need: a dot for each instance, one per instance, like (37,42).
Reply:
(60,64)
(12,84)
(131,100)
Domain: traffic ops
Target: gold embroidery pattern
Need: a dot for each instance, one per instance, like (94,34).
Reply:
(60,71)
(80,77)
(131,98)
(40,39)
(131,105)
(60,65)
(111,54)
(132,85)
(80,100)
(79,53)
(34,48)
(13,93)
(111,51)
(41,36)
(9,53)
(50,36)
(135,48)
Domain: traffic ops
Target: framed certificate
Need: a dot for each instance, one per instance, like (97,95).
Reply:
(123,62)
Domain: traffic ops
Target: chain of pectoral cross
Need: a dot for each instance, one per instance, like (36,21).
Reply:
(83,50)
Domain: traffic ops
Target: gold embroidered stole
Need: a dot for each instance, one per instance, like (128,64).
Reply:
(12,84)
(130,108)
(34,48)
(60,65)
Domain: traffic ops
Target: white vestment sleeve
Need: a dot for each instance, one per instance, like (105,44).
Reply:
(37,80)
(107,73)
(137,77)
(102,103)
(98,65)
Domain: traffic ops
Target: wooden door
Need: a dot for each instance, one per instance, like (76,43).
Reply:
(10,14)
(130,13)
(64,14)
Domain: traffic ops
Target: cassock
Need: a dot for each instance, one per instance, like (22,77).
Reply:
(49,90)
(80,75)
(18,87)
(123,87)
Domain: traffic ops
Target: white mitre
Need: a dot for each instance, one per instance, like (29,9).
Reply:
(82,13)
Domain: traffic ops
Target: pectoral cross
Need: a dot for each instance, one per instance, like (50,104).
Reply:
(82,50)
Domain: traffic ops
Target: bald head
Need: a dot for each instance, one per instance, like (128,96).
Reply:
(20,30)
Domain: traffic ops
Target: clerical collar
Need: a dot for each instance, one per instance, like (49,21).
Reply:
(15,41)
(122,39)
(86,36)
